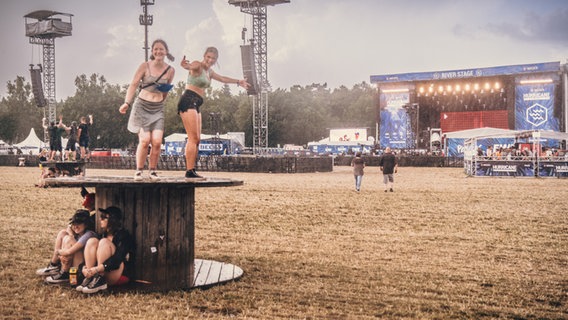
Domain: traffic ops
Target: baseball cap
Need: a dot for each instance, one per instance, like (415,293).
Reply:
(80,216)
(113,212)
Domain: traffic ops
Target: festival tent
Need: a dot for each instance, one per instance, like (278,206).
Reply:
(454,141)
(32,144)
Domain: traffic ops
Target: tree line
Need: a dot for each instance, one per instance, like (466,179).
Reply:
(297,115)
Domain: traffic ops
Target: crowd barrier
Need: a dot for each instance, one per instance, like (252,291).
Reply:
(242,163)
(552,167)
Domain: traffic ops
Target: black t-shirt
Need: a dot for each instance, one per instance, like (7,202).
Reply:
(388,162)
(84,130)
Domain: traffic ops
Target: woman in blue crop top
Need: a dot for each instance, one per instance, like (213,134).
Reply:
(198,79)
(147,114)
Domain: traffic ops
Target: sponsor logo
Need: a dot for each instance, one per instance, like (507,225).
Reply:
(562,168)
(504,168)
(537,115)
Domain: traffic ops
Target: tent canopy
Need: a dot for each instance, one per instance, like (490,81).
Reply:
(479,132)
(32,142)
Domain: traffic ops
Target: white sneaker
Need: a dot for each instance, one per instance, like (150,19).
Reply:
(85,283)
(50,270)
(138,175)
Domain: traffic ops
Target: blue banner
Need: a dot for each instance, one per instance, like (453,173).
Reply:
(553,169)
(468,73)
(489,168)
(456,145)
(534,108)
(394,127)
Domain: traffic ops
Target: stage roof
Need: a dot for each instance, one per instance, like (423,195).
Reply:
(468,73)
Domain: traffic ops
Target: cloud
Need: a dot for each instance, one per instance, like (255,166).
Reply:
(123,39)
(536,27)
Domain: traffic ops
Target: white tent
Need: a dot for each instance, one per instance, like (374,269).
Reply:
(32,144)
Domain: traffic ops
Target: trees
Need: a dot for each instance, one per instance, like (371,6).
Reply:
(95,96)
(18,113)
(296,115)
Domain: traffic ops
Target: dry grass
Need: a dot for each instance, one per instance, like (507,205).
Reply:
(442,246)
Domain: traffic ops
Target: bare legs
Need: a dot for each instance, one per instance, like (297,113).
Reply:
(192,124)
(96,253)
(145,139)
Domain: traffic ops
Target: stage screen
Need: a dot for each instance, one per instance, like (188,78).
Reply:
(457,121)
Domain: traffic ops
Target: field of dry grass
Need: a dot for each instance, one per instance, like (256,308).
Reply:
(442,246)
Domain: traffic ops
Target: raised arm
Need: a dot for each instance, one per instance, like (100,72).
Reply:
(239,82)
(132,88)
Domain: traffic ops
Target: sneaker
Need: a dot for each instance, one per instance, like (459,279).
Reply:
(191,174)
(391,190)
(154,175)
(85,283)
(50,270)
(97,284)
(62,276)
(138,175)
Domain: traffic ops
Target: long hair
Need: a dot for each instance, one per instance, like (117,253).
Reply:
(114,224)
(168,54)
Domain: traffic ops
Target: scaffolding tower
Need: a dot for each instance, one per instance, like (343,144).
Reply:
(257,9)
(45,27)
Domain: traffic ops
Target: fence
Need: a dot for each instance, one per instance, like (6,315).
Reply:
(267,164)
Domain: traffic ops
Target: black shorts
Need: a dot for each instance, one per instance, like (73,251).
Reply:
(189,100)
(71,145)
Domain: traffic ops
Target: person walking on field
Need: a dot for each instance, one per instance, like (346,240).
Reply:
(358,165)
(154,79)
(389,167)
(198,79)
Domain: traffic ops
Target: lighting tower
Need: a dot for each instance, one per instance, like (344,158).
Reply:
(257,8)
(146,20)
(47,26)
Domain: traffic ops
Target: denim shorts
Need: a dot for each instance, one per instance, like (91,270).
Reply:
(189,100)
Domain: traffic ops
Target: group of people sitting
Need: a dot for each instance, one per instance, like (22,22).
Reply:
(99,260)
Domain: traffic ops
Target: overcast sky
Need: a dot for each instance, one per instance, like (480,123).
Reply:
(340,42)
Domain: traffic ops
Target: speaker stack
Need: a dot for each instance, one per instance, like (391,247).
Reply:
(249,71)
(37,87)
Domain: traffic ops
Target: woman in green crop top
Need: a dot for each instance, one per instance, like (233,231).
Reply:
(147,114)
(198,79)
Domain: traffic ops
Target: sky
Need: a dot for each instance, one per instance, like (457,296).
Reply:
(338,42)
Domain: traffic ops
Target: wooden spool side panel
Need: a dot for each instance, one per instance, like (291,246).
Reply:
(180,242)
(161,220)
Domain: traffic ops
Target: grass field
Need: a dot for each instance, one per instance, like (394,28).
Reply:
(442,246)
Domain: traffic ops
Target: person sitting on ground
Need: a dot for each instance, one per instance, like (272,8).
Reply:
(49,173)
(108,261)
(68,248)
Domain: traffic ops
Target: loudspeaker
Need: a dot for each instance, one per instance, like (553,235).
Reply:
(37,87)
(249,70)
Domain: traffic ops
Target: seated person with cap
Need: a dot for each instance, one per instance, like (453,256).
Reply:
(68,249)
(108,261)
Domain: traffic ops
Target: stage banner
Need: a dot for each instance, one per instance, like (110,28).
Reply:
(492,168)
(456,145)
(553,169)
(394,127)
(534,108)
